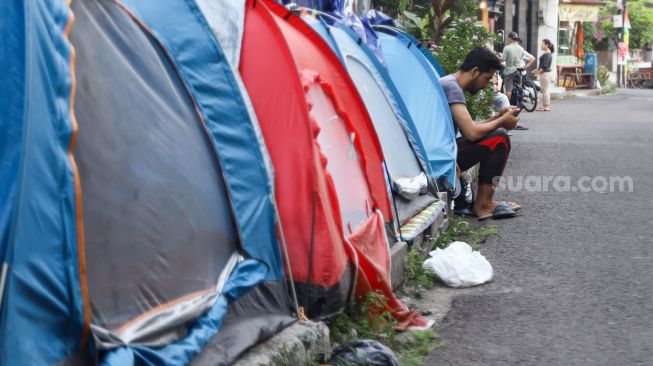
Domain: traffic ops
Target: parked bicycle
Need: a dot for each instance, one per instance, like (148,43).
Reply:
(640,78)
(524,91)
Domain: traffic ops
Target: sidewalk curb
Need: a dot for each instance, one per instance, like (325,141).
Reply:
(298,344)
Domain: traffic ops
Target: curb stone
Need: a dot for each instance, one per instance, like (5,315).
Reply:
(298,344)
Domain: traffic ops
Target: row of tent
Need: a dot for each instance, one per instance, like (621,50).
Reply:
(180,180)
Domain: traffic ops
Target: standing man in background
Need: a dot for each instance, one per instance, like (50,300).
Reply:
(513,55)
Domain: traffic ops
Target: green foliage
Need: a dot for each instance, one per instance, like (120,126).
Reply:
(611,89)
(357,322)
(641,21)
(603,75)
(366,319)
(455,44)
(428,19)
(590,42)
(417,279)
(461,230)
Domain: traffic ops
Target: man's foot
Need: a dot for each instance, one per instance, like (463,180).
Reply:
(500,211)
(521,127)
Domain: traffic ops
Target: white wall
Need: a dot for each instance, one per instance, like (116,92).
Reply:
(549,29)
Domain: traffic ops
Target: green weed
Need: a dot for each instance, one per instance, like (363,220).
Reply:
(418,346)
(461,230)
(366,319)
(417,279)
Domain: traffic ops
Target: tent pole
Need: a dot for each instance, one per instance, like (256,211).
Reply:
(286,258)
(3,278)
(310,255)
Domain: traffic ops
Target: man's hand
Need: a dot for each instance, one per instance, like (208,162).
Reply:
(511,108)
(510,120)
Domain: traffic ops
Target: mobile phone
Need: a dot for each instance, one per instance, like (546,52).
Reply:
(520,109)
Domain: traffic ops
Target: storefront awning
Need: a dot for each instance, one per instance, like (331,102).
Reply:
(575,13)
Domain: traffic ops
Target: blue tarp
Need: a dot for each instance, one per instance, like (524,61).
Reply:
(420,89)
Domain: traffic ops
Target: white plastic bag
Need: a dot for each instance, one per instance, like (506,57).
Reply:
(409,188)
(459,266)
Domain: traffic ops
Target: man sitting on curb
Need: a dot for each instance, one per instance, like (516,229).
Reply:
(485,142)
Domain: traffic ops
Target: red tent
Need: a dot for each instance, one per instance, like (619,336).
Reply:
(304,197)
(330,184)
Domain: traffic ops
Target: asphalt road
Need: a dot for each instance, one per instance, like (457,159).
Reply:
(574,272)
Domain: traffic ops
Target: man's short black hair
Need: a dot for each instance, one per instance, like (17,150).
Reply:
(483,58)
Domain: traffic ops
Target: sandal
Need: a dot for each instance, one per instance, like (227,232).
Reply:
(501,211)
(514,205)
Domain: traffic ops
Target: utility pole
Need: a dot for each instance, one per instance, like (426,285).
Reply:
(622,72)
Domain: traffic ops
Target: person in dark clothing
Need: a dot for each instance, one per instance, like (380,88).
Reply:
(485,142)
(545,73)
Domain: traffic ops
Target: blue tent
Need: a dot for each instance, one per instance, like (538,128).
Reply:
(142,229)
(427,54)
(403,151)
(351,49)
(417,82)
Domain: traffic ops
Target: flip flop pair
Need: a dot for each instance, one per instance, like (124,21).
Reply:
(501,211)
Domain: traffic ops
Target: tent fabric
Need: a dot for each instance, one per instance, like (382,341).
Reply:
(151,155)
(342,159)
(373,255)
(227,21)
(324,76)
(405,157)
(164,134)
(388,114)
(383,78)
(311,52)
(427,54)
(335,6)
(313,232)
(223,113)
(408,69)
(44,314)
(201,64)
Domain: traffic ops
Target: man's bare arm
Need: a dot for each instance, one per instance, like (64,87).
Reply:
(475,131)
